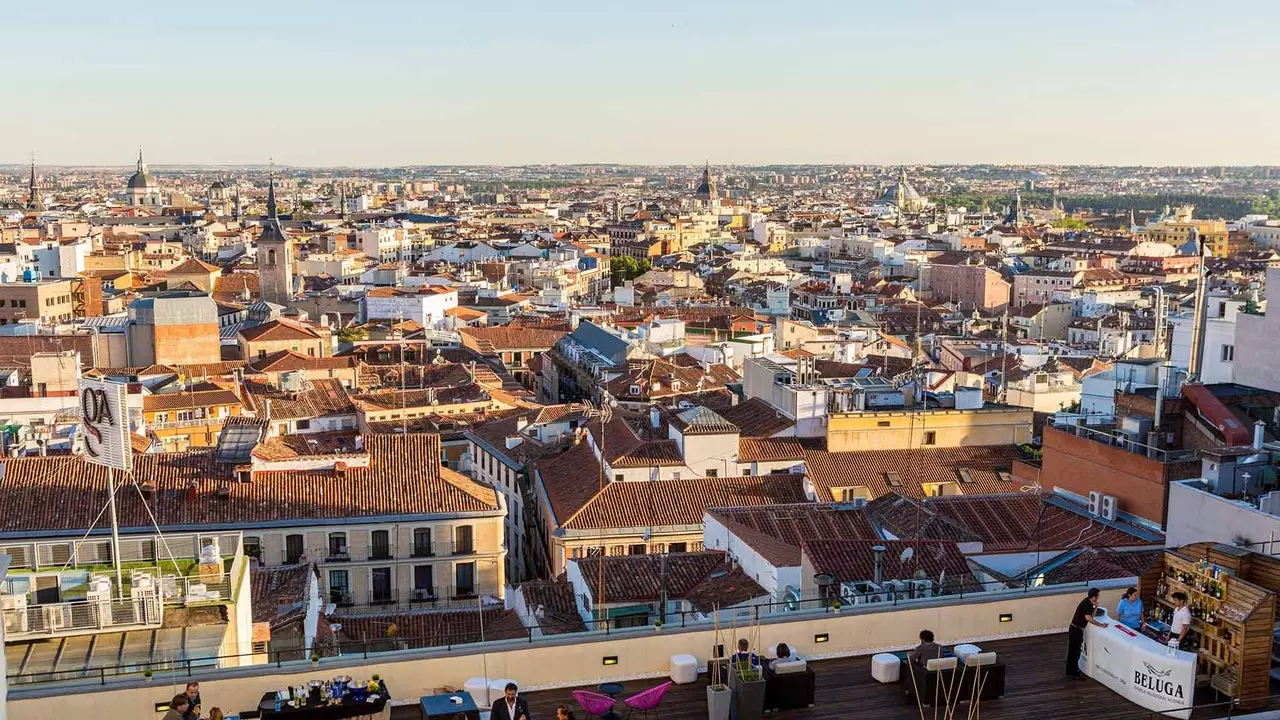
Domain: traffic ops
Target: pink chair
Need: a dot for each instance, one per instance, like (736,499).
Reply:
(594,703)
(647,700)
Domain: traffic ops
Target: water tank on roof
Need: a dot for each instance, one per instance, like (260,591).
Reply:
(28,275)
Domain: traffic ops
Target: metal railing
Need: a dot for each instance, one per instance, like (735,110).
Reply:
(193,422)
(773,610)
(81,616)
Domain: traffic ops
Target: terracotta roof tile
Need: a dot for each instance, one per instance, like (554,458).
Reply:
(279,329)
(428,628)
(854,560)
(756,418)
(491,340)
(404,477)
(553,605)
(877,470)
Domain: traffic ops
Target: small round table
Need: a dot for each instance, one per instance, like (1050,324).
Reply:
(613,690)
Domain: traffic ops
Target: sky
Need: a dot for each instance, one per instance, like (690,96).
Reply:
(405,82)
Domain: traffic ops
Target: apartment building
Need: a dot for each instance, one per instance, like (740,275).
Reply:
(377,514)
(43,302)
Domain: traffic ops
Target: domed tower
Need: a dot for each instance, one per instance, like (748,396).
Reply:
(219,198)
(903,196)
(143,190)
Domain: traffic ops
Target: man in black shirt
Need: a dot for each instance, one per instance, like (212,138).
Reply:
(1075,633)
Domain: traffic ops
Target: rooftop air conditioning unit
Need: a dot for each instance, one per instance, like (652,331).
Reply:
(1095,502)
(896,589)
(14,608)
(57,617)
(1109,507)
(921,588)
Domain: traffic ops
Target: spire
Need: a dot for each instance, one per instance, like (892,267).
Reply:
(34,201)
(271,193)
(142,166)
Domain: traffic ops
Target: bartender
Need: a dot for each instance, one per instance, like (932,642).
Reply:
(1082,617)
(1180,627)
(1129,609)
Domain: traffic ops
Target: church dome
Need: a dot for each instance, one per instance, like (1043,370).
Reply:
(903,195)
(142,180)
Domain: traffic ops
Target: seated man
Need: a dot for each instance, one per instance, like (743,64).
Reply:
(926,650)
(744,657)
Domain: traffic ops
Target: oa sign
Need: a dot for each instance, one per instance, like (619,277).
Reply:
(104,421)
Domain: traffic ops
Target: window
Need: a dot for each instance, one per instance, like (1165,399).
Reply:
(637,549)
(424,585)
(422,542)
(379,545)
(463,540)
(1228,353)
(253,547)
(338,546)
(711,472)
(677,547)
(380,585)
(464,579)
(271,258)
(304,425)
(930,438)
(339,587)
(617,477)
(631,621)
(292,548)
(883,423)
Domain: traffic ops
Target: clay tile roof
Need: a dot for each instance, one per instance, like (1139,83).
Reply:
(669,503)
(288,360)
(985,470)
(277,591)
(1093,564)
(776,531)
(854,560)
(193,266)
(404,478)
(756,418)
(279,329)
(491,340)
(431,628)
(637,578)
(1019,522)
(320,397)
(770,449)
(553,605)
(186,400)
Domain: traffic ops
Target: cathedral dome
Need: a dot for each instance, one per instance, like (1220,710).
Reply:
(142,180)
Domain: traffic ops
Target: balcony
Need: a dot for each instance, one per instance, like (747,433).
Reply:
(423,550)
(339,556)
(48,593)
(843,640)
(193,422)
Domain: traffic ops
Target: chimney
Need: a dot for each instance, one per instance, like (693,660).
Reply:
(879,572)
(522,423)
(655,418)
(268,408)
(1259,434)
(359,443)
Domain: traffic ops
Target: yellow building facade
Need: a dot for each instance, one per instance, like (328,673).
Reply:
(902,429)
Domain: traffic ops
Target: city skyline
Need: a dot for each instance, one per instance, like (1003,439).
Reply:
(748,84)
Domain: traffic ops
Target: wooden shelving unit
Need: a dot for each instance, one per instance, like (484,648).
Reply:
(1236,646)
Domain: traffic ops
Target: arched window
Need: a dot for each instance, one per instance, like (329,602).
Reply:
(271,257)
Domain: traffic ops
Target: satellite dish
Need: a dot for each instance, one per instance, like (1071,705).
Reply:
(906,555)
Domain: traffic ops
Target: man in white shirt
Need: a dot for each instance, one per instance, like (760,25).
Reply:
(1181,624)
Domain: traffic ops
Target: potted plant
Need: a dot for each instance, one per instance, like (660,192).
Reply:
(657,625)
(376,683)
(719,701)
(835,606)
(747,684)
(315,659)
(147,674)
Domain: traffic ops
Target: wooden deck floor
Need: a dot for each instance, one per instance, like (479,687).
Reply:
(1035,689)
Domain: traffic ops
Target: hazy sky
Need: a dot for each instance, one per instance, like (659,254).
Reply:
(731,81)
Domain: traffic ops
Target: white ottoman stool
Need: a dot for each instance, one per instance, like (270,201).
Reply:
(497,688)
(479,689)
(964,651)
(885,668)
(684,669)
